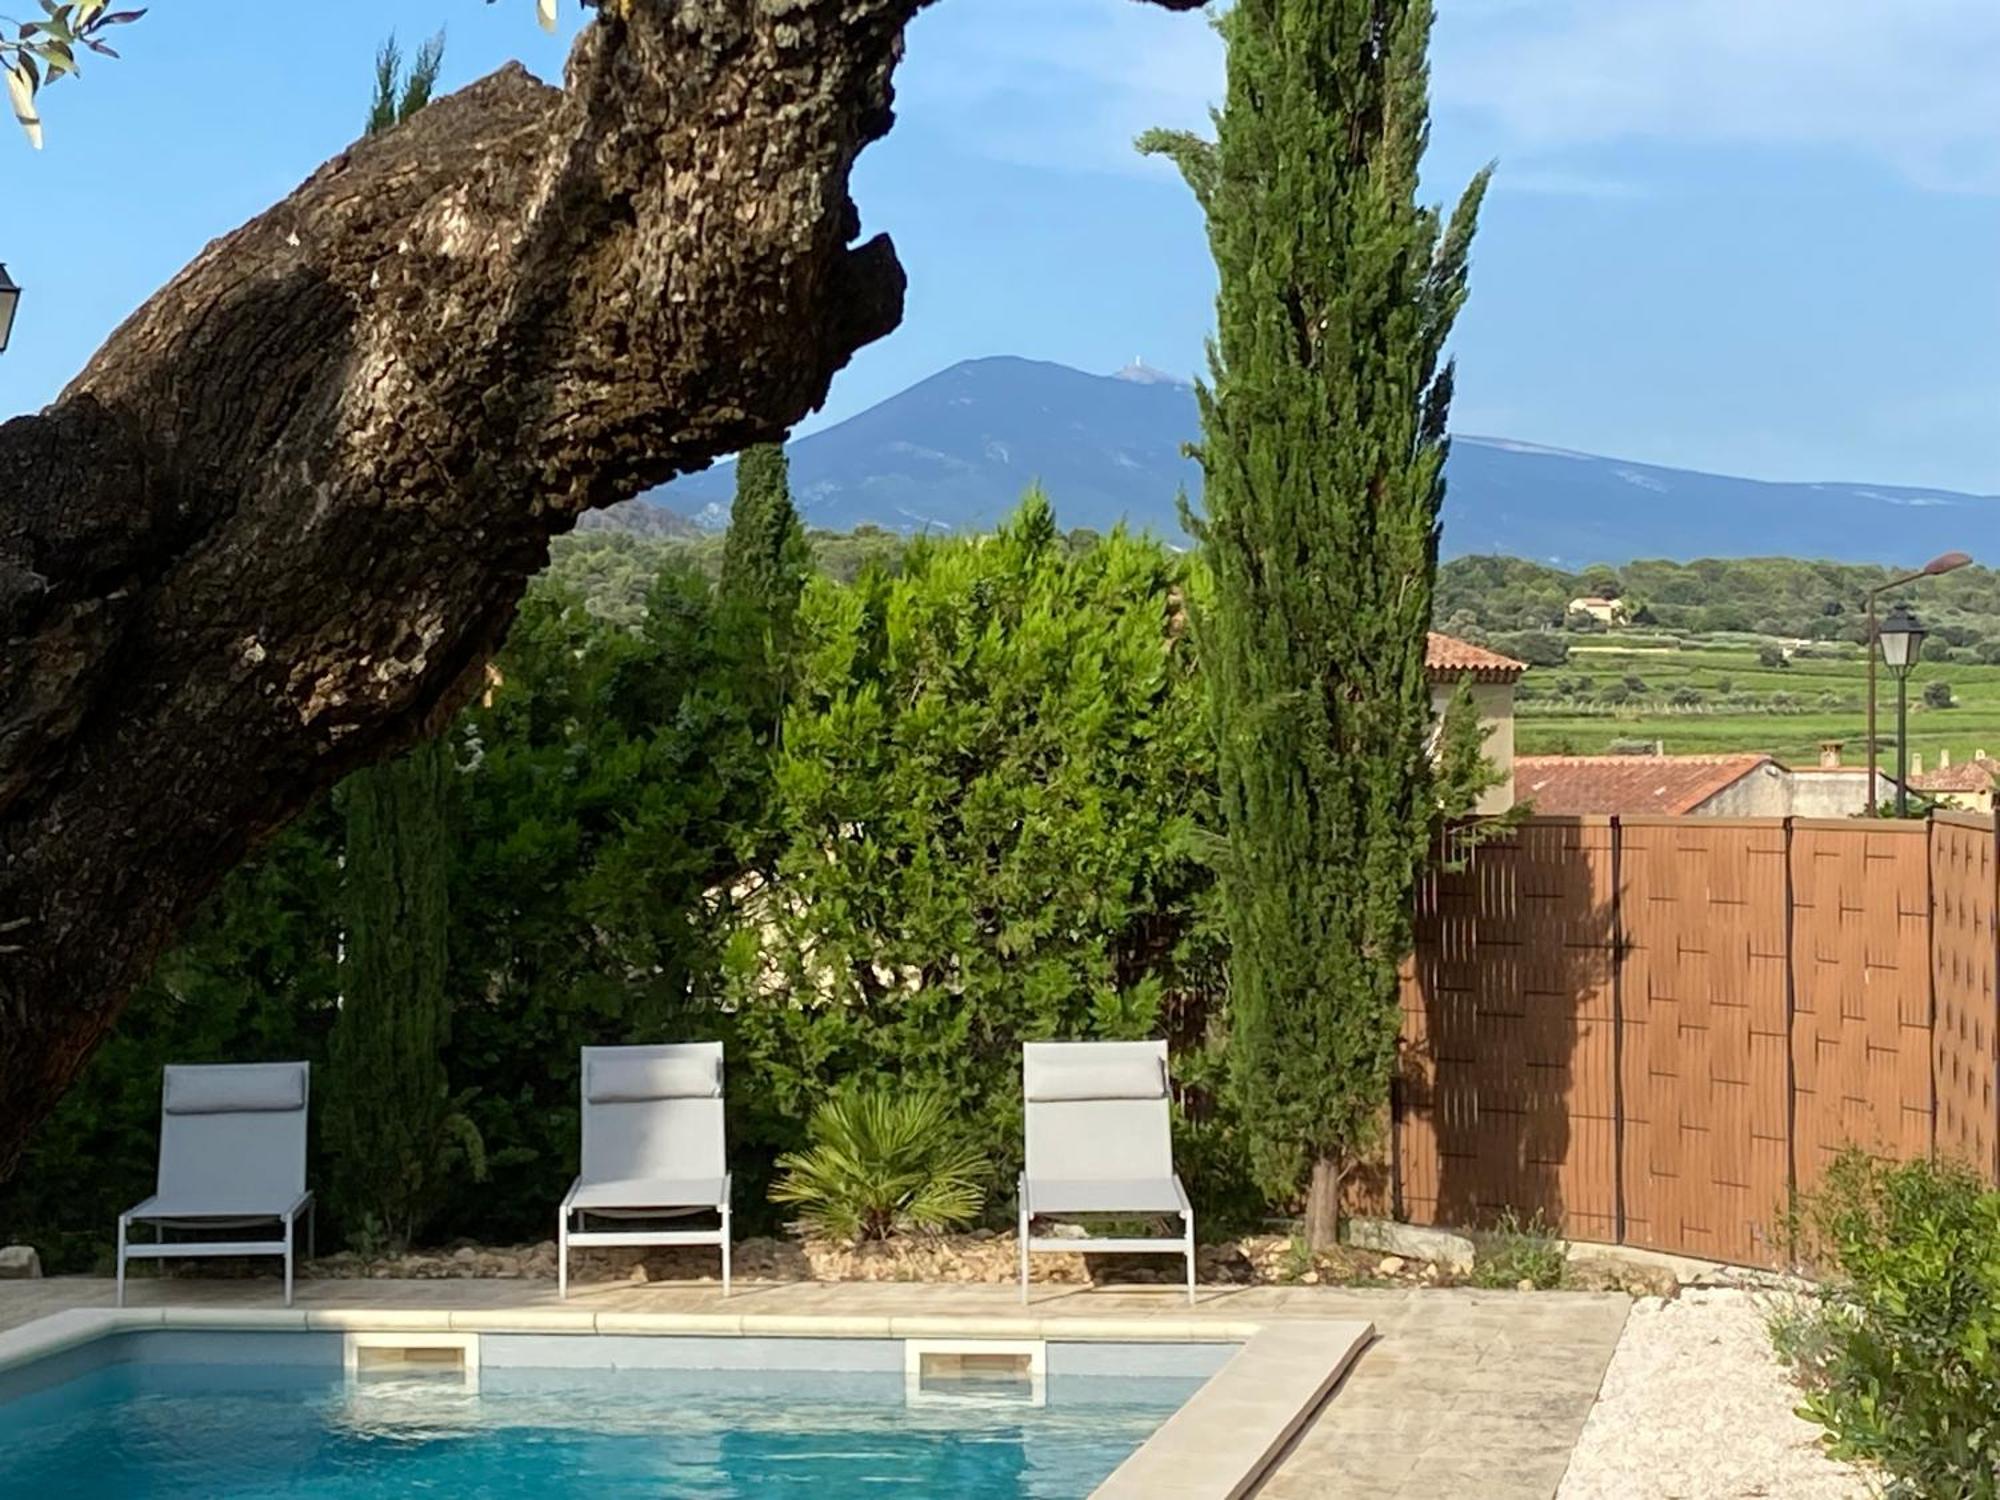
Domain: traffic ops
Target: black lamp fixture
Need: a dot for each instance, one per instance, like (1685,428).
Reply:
(10,299)
(1949,562)
(1902,637)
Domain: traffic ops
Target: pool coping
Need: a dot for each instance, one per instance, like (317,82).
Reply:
(1217,1446)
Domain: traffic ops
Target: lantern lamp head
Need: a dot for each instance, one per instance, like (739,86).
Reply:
(1902,637)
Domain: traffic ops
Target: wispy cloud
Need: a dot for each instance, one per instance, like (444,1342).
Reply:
(1060,83)
(1912,84)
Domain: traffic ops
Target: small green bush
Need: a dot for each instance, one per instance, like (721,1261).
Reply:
(1517,1250)
(883,1160)
(1900,1359)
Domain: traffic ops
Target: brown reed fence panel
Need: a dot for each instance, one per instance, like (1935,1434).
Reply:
(1861,981)
(1965,929)
(1704,1002)
(1654,1030)
(1507,1097)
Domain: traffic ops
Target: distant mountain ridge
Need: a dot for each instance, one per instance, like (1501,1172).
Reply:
(955,451)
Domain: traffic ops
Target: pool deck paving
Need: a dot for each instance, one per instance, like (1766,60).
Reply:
(1459,1392)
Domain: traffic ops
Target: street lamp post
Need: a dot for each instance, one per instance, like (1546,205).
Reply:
(1902,643)
(10,299)
(1946,563)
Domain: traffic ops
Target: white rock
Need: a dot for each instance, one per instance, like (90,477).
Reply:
(1412,1242)
(20,1263)
(1390,1265)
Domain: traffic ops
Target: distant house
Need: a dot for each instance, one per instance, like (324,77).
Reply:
(1720,786)
(1669,785)
(1604,611)
(1967,786)
(1448,661)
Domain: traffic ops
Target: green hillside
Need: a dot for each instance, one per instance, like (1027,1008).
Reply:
(1707,694)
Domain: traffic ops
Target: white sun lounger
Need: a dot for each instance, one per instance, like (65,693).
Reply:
(652,1149)
(232,1156)
(1100,1141)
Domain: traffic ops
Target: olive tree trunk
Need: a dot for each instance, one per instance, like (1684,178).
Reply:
(278,523)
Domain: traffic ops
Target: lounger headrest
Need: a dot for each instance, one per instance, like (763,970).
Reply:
(235,1091)
(1072,1078)
(633,1080)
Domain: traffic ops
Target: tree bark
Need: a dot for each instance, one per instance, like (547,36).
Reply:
(276,526)
(1322,1226)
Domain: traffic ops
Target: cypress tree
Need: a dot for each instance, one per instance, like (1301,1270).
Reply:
(764,565)
(400,93)
(393,1131)
(1323,453)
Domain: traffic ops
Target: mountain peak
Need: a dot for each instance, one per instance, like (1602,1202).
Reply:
(1141,373)
(956,450)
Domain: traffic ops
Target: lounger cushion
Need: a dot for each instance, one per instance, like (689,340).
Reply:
(227,1206)
(642,1193)
(1156,1195)
(228,1092)
(633,1080)
(1058,1080)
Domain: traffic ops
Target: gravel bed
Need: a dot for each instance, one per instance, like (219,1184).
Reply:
(1694,1407)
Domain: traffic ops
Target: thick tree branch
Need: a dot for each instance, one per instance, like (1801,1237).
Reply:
(273,529)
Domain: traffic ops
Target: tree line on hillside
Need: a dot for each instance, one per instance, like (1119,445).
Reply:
(1524,608)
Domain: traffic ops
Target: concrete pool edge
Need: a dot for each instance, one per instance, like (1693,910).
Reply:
(1217,1446)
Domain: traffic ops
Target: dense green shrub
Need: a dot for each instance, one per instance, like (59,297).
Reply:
(883,1159)
(1937,694)
(1538,648)
(1900,1360)
(614,777)
(990,795)
(254,979)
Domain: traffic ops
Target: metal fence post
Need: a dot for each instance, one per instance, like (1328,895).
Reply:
(1791,1038)
(1617,1031)
(1993,1021)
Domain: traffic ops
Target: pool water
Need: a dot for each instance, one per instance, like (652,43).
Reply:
(229,1432)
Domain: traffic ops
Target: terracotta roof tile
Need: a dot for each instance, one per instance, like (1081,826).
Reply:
(1447,655)
(1974,775)
(1668,784)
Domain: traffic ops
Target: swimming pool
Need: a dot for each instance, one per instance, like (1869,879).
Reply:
(244,1416)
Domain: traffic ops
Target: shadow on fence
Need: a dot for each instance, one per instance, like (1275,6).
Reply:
(1656,1031)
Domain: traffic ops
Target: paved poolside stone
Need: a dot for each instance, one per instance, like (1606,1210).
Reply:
(1463,1392)
(1466,1393)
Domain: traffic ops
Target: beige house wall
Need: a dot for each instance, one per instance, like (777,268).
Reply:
(1494,702)
(1972,802)
(1837,792)
(1776,791)
(1765,793)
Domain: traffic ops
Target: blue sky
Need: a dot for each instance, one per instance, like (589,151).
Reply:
(1752,236)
